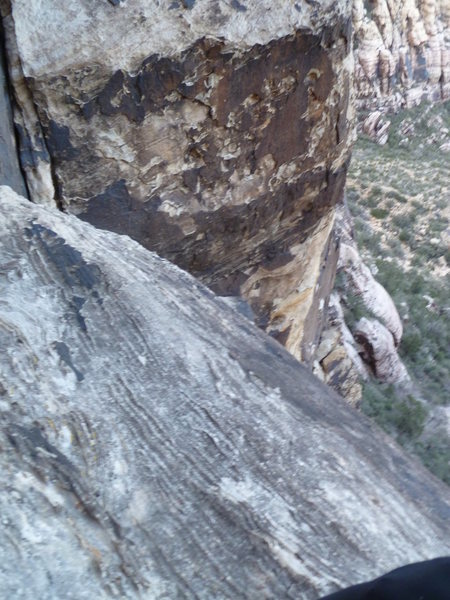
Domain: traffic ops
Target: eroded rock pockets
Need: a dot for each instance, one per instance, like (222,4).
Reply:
(402,52)
(223,157)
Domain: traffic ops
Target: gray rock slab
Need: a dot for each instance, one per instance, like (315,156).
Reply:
(155,444)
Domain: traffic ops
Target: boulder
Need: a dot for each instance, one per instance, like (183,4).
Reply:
(379,352)
(360,280)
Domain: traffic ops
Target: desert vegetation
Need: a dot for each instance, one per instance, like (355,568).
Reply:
(398,195)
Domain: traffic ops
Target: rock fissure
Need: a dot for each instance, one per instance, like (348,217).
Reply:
(12,172)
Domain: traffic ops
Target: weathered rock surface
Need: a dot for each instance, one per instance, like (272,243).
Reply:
(215,133)
(361,282)
(156,444)
(379,351)
(376,127)
(338,362)
(344,358)
(402,52)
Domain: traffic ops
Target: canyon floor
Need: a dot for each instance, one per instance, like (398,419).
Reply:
(398,195)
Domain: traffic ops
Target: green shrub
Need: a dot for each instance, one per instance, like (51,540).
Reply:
(409,418)
(419,207)
(379,213)
(405,236)
(404,221)
(417,285)
(403,417)
(397,196)
(437,225)
(411,344)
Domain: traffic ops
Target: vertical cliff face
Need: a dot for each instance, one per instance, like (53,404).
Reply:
(402,51)
(214,133)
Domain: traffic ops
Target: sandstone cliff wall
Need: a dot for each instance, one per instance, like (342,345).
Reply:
(215,133)
(10,173)
(402,52)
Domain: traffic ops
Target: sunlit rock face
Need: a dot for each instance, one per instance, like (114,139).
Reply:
(343,360)
(337,361)
(156,444)
(215,133)
(402,52)
(379,352)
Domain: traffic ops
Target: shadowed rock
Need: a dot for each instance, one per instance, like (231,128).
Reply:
(156,444)
(9,164)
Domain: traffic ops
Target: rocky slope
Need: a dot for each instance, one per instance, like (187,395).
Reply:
(399,197)
(155,443)
(402,52)
(215,133)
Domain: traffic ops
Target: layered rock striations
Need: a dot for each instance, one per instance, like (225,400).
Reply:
(156,444)
(214,133)
(402,52)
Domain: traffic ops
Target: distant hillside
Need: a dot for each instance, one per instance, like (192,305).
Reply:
(399,197)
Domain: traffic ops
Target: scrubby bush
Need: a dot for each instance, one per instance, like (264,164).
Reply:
(379,213)
(401,416)
(397,196)
(411,344)
(404,221)
(416,177)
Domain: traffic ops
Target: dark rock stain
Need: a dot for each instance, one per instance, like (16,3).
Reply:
(76,306)
(71,266)
(58,142)
(74,271)
(238,6)
(30,152)
(275,94)
(30,441)
(136,95)
(64,354)
(115,210)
